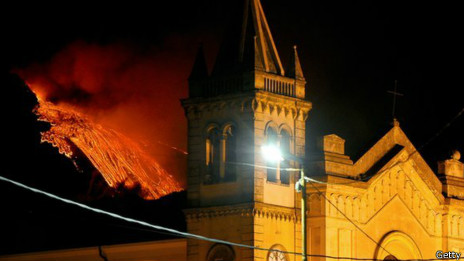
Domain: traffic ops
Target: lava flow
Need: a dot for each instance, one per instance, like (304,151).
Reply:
(120,160)
(109,103)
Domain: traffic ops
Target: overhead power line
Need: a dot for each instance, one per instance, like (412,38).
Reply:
(344,215)
(177,232)
(436,135)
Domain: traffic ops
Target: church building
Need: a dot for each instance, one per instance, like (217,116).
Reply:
(388,204)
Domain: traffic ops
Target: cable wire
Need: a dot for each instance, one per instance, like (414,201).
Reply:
(180,233)
(437,134)
(351,221)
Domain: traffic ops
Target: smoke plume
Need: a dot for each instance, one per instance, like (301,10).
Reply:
(134,91)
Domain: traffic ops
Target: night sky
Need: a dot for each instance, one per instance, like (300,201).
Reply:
(351,54)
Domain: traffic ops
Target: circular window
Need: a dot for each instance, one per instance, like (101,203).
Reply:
(221,252)
(277,253)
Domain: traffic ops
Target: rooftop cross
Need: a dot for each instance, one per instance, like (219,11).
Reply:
(395,94)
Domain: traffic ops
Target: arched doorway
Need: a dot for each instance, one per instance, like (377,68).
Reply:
(399,246)
(390,258)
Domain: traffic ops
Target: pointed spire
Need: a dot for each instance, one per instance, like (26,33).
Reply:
(199,69)
(294,68)
(258,61)
(254,40)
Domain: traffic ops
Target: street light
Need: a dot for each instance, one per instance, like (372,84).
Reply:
(273,154)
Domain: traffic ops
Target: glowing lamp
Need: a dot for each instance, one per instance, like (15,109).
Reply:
(271,153)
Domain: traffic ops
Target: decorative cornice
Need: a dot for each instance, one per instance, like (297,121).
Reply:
(362,203)
(260,102)
(259,210)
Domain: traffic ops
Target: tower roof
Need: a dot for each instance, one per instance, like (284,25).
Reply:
(294,67)
(199,69)
(248,44)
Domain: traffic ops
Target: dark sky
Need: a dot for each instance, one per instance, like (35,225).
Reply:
(351,53)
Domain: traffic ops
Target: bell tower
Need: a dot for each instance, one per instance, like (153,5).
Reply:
(247,101)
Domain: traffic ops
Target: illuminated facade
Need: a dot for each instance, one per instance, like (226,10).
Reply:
(388,204)
(392,195)
(248,100)
(389,195)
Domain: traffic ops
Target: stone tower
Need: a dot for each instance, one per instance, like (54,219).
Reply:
(248,100)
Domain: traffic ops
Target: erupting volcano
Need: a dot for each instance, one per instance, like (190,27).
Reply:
(119,159)
(70,90)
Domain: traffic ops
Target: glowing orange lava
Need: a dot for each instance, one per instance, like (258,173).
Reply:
(119,159)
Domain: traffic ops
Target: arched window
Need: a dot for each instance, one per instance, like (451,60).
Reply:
(221,154)
(272,139)
(230,142)
(220,252)
(285,143)
(212,155)
(277,171)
